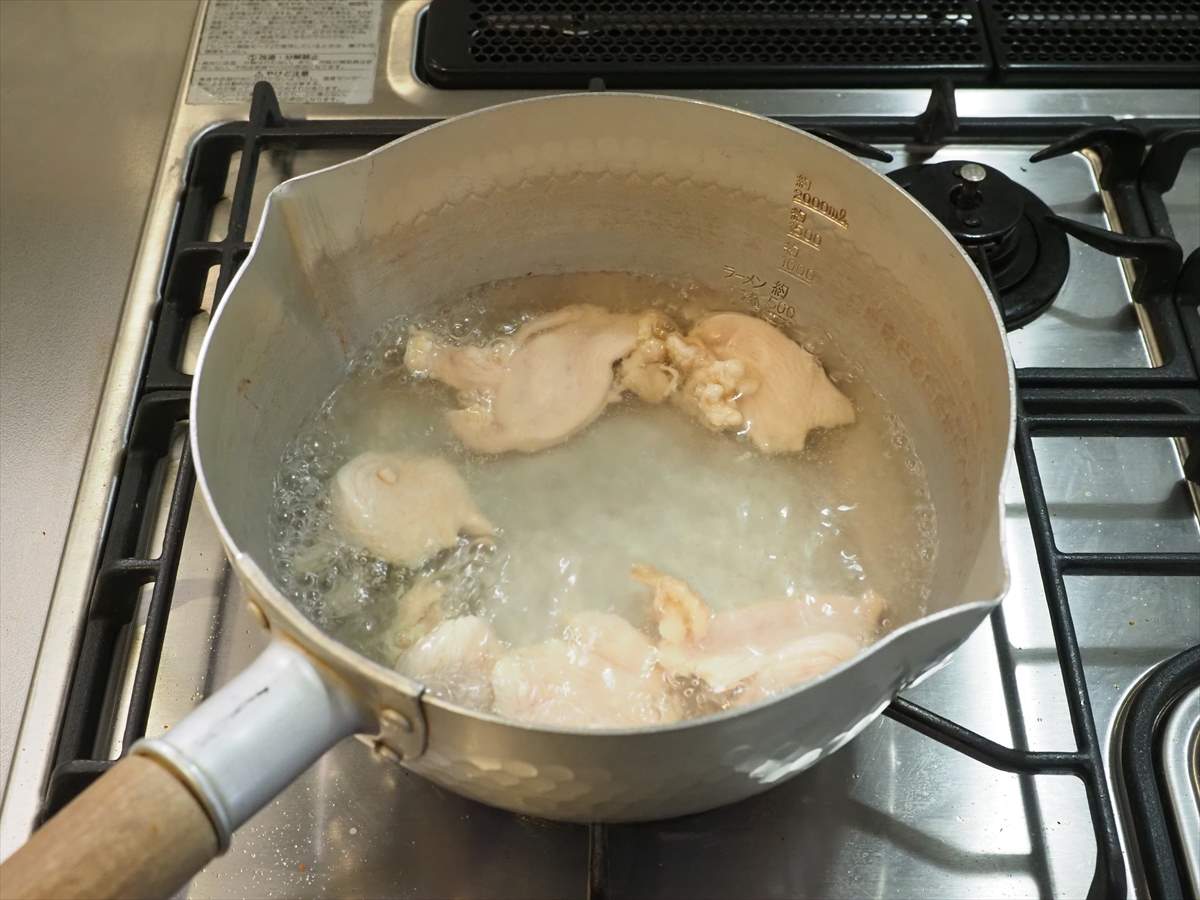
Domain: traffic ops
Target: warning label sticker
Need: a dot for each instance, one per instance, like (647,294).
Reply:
(312,51)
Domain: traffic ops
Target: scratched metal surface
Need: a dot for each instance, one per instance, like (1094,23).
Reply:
(892,814)
(69,223)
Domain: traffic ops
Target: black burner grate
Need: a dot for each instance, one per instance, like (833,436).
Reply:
(1162,401)
(496,43)
(1156,41)
(990,214)
(1155,698)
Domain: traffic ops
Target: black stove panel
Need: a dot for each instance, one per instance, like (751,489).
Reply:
(745,43)
(1118,42)
(751,43)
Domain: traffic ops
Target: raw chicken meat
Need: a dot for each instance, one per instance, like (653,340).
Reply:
(555,376)
(749,674)
(602,674)
(711,386)
(647,371)
(418,611)
(613,639)
(682,615)
(404,508)
(536,389)
(752,652)
(784,392)
(734,371)
(855,618)
(455,661)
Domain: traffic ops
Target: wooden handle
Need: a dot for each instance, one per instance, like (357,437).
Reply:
(137,832)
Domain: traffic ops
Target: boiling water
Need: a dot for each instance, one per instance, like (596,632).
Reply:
(643,484)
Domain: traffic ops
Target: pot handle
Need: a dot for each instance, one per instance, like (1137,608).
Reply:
(136,832)
(159,815)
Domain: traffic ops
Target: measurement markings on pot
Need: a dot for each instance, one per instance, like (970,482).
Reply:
(800,235)
(802,195)
(792,266)
(771,306)
(800,231)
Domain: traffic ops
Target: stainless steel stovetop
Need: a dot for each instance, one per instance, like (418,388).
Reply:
(893,813)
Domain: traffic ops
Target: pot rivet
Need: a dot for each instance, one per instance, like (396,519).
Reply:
(383,751)
(258,615)
(396,720)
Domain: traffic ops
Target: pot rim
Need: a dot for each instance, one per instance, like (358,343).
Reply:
(315,642)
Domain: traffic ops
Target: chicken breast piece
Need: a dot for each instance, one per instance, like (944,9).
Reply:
(602,674)
(455,661)
(550,380)
(613,639)
(749,653)
(648,371)
(682,615)
(782,392)
(465,369)
(857,618)
(419,610)
(404,509)
(746,674)
(710,387)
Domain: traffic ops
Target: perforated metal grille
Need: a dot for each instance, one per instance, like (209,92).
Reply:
(1152,37)
(647,42)
(673,43)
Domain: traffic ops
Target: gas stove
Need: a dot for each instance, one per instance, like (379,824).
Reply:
(1029,766)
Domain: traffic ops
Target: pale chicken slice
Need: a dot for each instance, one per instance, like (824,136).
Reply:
(855,617)
(418,611)
(682,615)
(404,509)
(752,652)
(747,673)
(648,371)
(612,639)
(602,674)
(465,369)
(455,661)
(711,387)
(550,380)
(743,373)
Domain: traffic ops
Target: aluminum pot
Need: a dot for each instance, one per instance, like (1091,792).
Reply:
(595,182)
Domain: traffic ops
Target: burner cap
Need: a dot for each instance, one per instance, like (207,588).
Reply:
(984,208)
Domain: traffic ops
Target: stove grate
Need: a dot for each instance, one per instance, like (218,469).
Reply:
(1163,401)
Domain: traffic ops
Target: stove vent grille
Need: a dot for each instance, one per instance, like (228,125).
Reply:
(756,43)
(646,43)
(1150,41)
